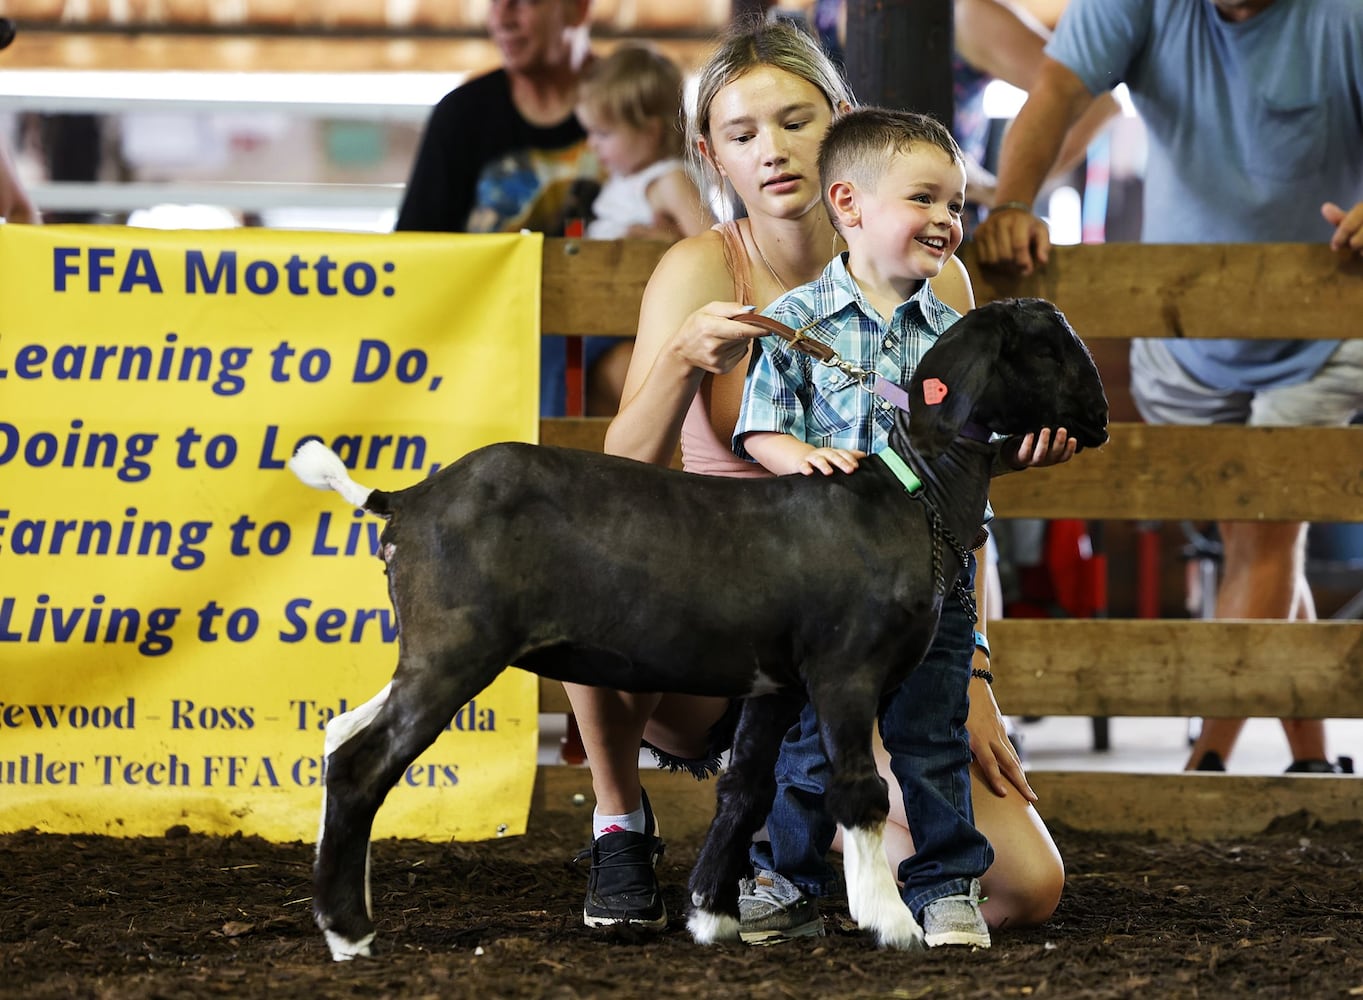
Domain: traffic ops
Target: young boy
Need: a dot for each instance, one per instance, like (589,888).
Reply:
(894,185)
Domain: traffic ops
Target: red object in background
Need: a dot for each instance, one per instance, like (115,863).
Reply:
(574,406)
(575,229)
(1069,582)
(570,748)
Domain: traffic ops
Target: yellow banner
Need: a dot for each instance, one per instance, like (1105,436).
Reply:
(179,616)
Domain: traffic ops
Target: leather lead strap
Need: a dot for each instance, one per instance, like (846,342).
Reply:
(816,349)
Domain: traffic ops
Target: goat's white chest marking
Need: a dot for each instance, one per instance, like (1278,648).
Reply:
(762,684)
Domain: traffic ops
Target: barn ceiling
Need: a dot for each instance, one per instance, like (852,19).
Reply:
(312,35)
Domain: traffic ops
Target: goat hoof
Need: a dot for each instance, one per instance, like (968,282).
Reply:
(343,949)
(707,927)
(901,935)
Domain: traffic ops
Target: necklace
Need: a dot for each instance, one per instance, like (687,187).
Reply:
(784,286)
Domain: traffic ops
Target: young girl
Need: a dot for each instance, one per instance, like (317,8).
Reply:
(630,105)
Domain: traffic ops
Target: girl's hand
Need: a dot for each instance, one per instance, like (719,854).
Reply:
(1035,451)
(830,460)
(989,742)
(714,338)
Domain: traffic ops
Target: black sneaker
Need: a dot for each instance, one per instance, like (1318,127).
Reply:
(1345,765)
(622,888)
(1210,761)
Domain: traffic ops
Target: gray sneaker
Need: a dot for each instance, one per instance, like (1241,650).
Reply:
(956,920)
(772,909)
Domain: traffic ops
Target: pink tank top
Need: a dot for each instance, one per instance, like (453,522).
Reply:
(717,400)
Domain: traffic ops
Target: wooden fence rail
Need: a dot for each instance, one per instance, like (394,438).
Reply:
(1116,667)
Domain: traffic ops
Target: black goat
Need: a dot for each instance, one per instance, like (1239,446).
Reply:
(603,571)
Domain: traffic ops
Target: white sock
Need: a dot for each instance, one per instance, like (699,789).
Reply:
(633,822)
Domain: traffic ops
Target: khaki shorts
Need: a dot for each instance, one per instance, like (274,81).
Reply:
(1166,394)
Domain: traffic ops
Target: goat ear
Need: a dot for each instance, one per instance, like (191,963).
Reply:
(949,382)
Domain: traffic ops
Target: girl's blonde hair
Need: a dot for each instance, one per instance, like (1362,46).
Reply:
(635,86)
(752,43)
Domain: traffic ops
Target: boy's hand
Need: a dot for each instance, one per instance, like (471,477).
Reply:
(1035,451)
(829,460)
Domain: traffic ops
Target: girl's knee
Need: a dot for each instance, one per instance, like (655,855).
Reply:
(1023,899)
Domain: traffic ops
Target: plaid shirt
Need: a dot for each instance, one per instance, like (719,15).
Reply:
(791,393)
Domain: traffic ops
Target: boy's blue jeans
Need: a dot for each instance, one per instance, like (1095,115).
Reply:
(923,727)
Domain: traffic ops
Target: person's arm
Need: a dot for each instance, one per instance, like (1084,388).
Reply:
(675,200)
(784,454)
(686,328)
(994,753)
(15,204)
(776,395)
(1012,234)
(440,190)
(1000,40)
(1348,234)
(1006,42)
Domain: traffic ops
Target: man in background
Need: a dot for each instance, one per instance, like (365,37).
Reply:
(1254,114)
(504,151)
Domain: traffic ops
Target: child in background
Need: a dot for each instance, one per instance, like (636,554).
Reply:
(630,105)
(894,185)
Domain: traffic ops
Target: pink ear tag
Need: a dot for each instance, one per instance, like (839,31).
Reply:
(934,391)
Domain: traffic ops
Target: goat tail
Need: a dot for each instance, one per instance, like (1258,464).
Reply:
(322,469)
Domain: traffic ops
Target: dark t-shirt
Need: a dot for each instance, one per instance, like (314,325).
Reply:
(482,168)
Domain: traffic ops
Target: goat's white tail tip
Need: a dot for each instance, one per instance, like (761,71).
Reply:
(318,466)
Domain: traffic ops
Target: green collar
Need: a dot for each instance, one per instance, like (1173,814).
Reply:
(901,471)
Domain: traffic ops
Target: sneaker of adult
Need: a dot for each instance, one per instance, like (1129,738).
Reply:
(622,885)
(1210,761)
(956,920)
(1345,765)
(771,908)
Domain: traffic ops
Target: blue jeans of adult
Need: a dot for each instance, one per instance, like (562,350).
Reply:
(923,728)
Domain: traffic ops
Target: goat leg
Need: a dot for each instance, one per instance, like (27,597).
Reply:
(367,751)
(341,903)
(744,794)
(858,800)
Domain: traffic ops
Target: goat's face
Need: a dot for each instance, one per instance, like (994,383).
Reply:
(1013,366)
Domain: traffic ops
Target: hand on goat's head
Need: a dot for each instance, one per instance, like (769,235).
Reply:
(1014,366)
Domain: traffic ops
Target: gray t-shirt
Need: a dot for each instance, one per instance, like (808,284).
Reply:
(1251,127)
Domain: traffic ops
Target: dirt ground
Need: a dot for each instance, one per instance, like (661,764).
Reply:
(196,916)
